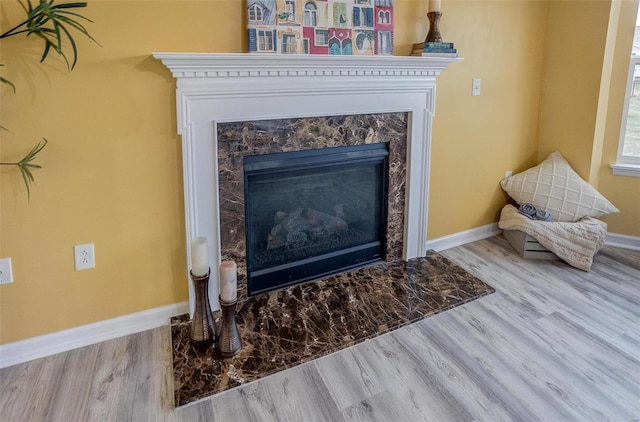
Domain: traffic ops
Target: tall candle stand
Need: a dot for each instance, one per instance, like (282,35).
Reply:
(229,341)
(434,27)
(202,324)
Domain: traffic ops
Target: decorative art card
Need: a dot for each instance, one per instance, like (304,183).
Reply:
(343,27)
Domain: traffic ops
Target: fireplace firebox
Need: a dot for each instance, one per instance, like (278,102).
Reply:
(312,213)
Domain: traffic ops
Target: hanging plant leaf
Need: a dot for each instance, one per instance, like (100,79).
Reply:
(8,82)
(52,23)
(26,165)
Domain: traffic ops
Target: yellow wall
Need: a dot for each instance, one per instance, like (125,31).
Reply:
(572,80)
(584,87)
(624,192)
(112,171)
(477,139)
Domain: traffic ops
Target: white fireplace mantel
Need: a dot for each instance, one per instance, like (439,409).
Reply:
(214,88)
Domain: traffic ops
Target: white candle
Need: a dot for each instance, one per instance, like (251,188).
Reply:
(199,256)
(228,281)
(435,5)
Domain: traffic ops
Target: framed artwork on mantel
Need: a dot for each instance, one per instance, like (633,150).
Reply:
(342,27)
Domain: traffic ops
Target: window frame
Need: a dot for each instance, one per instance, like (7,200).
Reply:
(257,11)
(290,9)
(265,37)
(289,44)
(310,14)
(325,37)
(626,165)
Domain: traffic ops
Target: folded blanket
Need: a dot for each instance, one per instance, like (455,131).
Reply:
(542,216)
(529,211)
(575,243)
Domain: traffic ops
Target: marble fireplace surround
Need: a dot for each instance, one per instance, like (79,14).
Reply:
(262,137)
(214,88)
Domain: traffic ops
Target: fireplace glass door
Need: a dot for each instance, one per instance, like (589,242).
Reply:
(313,213)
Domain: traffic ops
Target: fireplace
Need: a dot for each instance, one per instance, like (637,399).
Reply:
(313,213)
(215,90)
(367,153)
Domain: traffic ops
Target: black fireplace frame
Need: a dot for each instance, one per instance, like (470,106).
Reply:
(280,276)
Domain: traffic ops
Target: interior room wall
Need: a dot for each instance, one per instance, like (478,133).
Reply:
(476,139)
(572,80)
(584,87)
(623,191)
(112,171)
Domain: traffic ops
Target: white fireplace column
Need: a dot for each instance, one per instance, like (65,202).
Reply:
(213,88)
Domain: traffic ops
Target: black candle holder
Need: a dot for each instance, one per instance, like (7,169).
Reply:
(229,341)
(203,327)
(434,27)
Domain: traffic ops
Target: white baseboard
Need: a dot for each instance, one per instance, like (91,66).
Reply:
(467,236)
(61,341)
(623,241)
(457,239)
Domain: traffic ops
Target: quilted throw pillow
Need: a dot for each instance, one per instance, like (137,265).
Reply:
(553,186)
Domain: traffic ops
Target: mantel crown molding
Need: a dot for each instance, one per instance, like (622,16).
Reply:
(206,65)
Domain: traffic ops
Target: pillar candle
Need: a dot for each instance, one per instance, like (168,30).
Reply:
(228,281)
(199,256)
(435,5)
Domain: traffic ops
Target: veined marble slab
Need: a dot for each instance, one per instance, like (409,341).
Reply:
(285,328)
(239,139)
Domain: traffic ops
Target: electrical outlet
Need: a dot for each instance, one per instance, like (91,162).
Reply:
(508,174)
(85,256)
(6,274)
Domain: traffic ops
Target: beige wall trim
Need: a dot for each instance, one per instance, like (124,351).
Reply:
(623,241)
(457,239)
(73,338)
(467,236)
(49,344)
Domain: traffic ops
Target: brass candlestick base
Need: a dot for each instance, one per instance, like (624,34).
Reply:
(434,27)
(229,341)
(202,324)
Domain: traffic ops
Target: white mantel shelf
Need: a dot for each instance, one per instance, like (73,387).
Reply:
(213,88)
(203,65)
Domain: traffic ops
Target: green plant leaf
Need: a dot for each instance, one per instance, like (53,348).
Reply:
(8,82)
(25,165)
(73,46)
(53,23)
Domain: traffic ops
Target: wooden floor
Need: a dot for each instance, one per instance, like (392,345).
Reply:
(553,343)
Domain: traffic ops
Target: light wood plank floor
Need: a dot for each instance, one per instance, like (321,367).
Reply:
(553,343)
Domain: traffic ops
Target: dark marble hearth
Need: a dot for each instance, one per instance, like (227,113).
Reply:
(285,328)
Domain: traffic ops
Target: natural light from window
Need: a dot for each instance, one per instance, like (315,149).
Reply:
(628,160)
(632,134)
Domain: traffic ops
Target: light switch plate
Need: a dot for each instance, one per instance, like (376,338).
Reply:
(6,273)
(476,87)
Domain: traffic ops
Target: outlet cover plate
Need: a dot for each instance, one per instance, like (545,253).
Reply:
(84,256)
(6,273)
